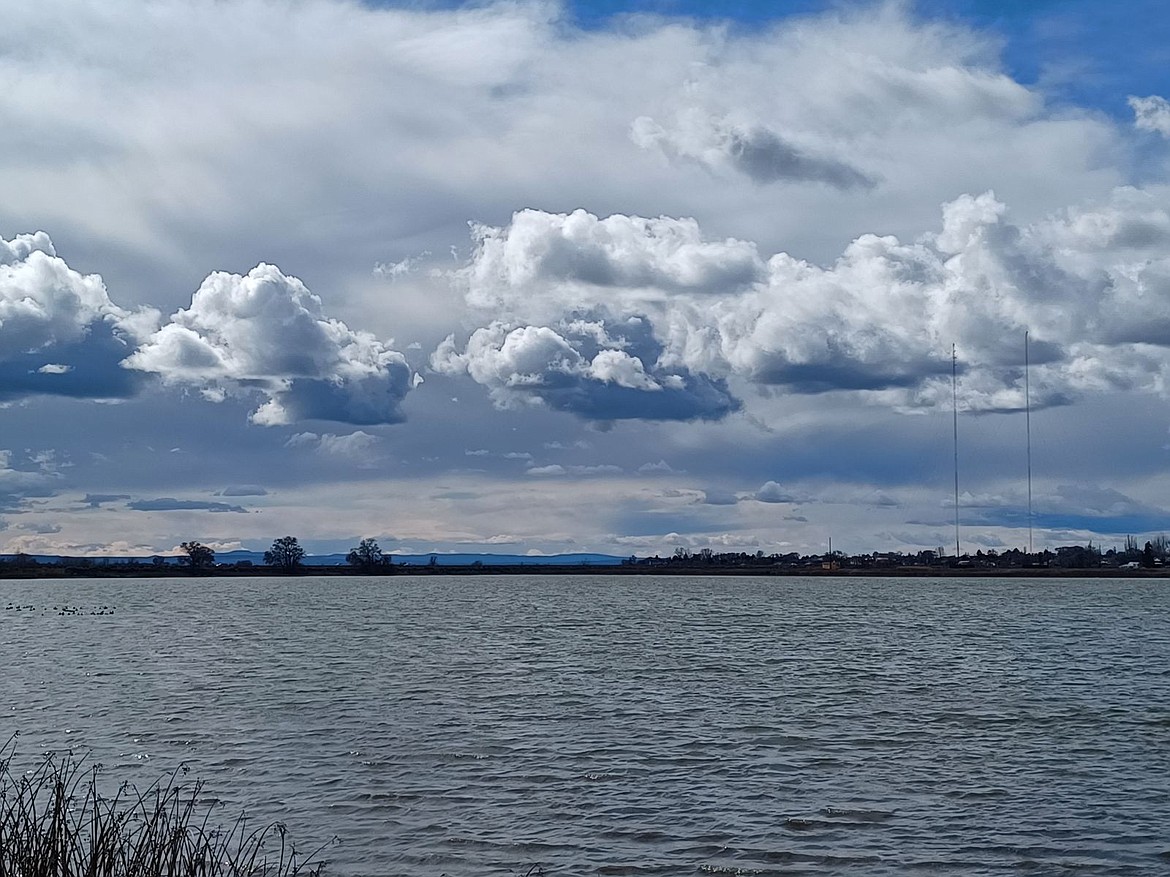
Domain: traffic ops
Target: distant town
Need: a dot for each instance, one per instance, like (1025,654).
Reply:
(287,557)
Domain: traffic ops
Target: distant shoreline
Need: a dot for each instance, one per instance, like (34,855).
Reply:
(42,572)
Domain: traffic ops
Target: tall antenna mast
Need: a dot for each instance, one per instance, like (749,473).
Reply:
(955,417)
(1028,422)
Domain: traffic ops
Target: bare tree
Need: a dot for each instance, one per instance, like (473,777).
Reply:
(285,553)
(198,557)
(367,556)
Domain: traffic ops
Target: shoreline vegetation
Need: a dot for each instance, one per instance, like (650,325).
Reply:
(56,821)
(132,571)
(287,558)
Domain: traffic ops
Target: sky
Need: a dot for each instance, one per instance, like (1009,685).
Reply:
(619,277)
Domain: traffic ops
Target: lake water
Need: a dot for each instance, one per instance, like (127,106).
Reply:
(597,725)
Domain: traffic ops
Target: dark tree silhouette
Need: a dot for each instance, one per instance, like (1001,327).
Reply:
(198,556)
(367,556)
(1148,555)
(285,553)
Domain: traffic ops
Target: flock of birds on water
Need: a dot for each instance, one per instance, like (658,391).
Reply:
(60,610)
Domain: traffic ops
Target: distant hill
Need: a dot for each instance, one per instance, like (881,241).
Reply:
(510,559)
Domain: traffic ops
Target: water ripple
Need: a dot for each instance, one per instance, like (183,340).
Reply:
(626,726)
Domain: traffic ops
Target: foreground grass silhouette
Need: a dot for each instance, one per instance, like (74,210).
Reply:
(55,822)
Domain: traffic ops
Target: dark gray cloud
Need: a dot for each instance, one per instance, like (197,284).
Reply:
(11,501)
(840,371)
(19,485)
(589,365)
(89,368)
(719,496)
(1112,525)
(96,500)
(169,504)
(361,402)
(243,490)
(765,157)
(698,398)
(755,151)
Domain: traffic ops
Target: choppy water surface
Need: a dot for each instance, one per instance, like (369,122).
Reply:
(478,726)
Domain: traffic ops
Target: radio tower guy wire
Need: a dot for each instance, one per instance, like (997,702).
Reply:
(955,418)
(1028,429)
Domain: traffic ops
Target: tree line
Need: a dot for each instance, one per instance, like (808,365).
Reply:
(287,555)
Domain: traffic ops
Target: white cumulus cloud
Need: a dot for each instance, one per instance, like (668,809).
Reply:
(773,492)
(1151,114)
(581,258)
(267,331)
(567,369)
(1091,284)
(60,333)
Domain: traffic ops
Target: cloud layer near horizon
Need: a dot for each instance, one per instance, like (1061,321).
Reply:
(626,317)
